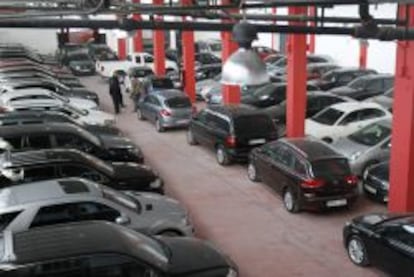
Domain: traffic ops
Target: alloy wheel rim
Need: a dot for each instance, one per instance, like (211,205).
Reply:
(288,199)
(356,252)
(251,171)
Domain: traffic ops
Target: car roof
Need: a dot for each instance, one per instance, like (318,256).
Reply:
(169,93)
(234,110)
(351,106)
(312,149)
(47,190)
(47,127)
(351,69)
(83,238)
(26,92)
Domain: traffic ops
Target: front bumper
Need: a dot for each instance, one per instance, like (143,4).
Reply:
(375,191)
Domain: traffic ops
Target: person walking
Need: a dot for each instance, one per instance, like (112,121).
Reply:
(115,92)
(136,91)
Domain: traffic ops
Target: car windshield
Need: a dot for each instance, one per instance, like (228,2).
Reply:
(79,57)
(162,83)
(371,135)
(215,47)
(75,110)
(328,116)
(328,168)
(357,83)
(253,125)
(140,73)
(178,102)
(121,199)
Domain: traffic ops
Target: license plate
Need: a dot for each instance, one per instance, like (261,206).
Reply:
(370,189)
(256,141)
(336,203)
(185,121)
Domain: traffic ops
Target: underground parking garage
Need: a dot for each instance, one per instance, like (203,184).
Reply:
(206,138)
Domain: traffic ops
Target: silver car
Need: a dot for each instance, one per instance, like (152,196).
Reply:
(74,199)
(366,147)
(166,108)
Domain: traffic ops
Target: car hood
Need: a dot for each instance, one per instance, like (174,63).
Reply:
(129,170)
(96,117)
(348,147)
(343,90)
(81,63)
(116,142)
(203,256)
(369,220)
(83,103)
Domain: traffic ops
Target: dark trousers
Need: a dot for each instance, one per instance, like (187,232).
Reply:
(117,103)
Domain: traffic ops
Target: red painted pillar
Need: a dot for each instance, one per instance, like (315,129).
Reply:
(401,197)
(363,54)
(296,80)
(312,38)
(274,12)
(188,49)
(159,47)
(231,94)
(137,39)
(122,48)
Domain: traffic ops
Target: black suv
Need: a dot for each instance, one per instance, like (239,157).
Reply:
(65,135)
(39,165)
(232,130)
(104,249)
(306,172)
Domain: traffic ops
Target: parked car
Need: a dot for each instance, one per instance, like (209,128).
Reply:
(376,181)
(166,109)
(80,63)
(367,146)
(343,119)
(36,69)
(64,135)
(316,70)
(366,86)
(139,72)
(66,49)
(231,130)
(307,173)
(206,58)
(213,46)
(204,86)
(38,165)
(68,200)
(75,249)
(279,67)
(101,52)
(208,72)
(381,240)
(340,77)
(386,100)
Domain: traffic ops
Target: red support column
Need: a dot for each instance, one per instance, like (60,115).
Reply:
(312,38)
(401,197)
(137,39)
(122,48)
(296,80)
(231,94)
(363,54)
(159,47)
(188,49)
(274,12)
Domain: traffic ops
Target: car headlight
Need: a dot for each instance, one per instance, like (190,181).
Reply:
(156,184)
(356,155)
(232,273)
(78,67)
(264,97)
(185,221)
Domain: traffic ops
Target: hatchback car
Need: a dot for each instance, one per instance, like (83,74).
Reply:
(366,147)
(167,109)
(67,200)
(80,63)
(231,130)
(306,172)
(340,77)
(376,183)
(385,241)
(343,119)
(39,165)
(104,249)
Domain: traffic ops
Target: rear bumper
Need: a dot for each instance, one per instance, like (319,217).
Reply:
(312,201)
(172,122)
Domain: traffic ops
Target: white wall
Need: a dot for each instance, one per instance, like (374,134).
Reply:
(44,40)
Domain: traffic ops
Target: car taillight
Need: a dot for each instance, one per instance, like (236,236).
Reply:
(312,183)
(351,180)
(231,141)
(165,113)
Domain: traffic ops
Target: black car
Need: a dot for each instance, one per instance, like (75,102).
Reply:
(50,116)
(208,71)
(268,95)
(376,181)
(67,80)
(340,77)
(306,172)
(65,135)
(231,130)
(385,241)
(366,86)
(39,165)
(101,52)
(80,63)
(206,58)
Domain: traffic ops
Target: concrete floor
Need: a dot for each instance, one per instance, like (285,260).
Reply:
(244,219)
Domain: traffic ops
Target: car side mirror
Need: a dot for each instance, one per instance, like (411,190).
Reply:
(122,220)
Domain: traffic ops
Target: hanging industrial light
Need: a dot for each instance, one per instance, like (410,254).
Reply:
(244,67)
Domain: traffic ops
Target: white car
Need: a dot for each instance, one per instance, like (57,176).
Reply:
(107,68)
(15,96)
(342,119)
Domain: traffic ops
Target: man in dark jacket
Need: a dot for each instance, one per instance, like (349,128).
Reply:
(115,91)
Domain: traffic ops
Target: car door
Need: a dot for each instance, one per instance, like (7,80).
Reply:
(37,141)
(348,124)
(199,126)
(39,173)
(266,162)
(153,108)
(280,165)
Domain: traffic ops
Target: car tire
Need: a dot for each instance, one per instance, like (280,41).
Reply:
(357,251)
(222,156)
(327,140)
(158,126)
(190,137)
(252,172)
(290,201)
(140,115)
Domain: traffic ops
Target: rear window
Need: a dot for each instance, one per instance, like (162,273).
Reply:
(178,102)
(330,168)
(253,125)
(162,83)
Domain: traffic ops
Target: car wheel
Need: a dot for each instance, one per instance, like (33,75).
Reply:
(357,251)
(222,156)
(252,172)
(289,201)
(158,126)
(327,139)
(140,115)
(190,137)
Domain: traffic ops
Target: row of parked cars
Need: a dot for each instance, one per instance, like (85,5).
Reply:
(76,198)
